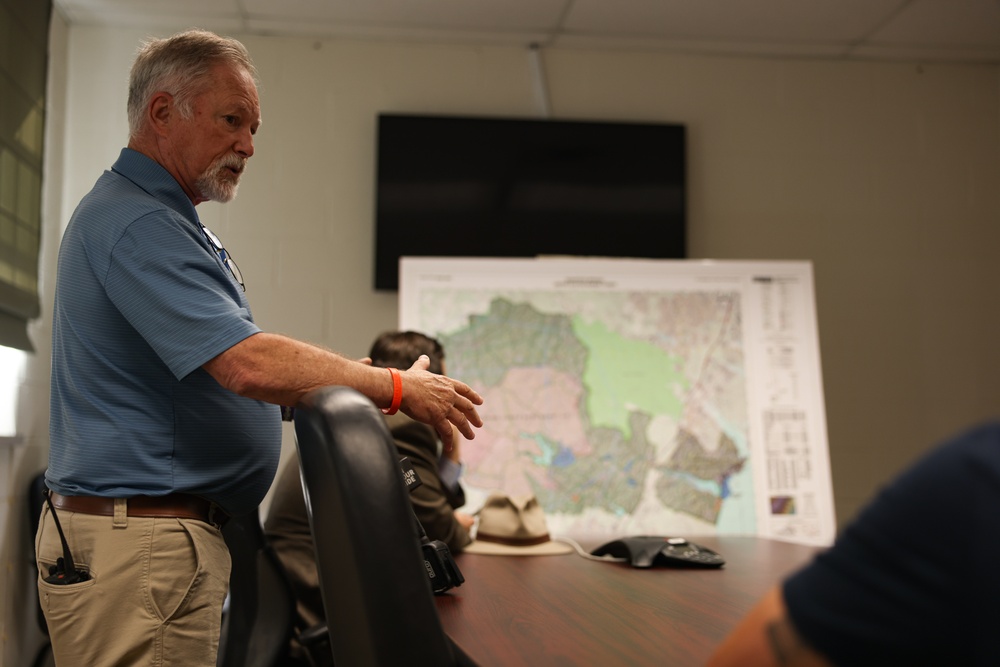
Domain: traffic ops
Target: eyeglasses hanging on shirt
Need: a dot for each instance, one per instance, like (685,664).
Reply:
(224,255)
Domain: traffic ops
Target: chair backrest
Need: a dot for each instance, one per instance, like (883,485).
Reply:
(376,592)
(261,615)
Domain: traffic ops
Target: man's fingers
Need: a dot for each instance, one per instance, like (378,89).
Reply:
(468,411)
(462,424)
(468,392)
(468,415)
(447,434)
(442,390)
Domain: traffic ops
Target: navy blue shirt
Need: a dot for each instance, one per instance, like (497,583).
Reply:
(142,302)
(915,579)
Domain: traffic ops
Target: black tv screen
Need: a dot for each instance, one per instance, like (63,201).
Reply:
(503,187)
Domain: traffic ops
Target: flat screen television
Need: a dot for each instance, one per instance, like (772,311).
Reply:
(451,186)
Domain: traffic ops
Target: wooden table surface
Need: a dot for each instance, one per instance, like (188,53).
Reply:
(568,610)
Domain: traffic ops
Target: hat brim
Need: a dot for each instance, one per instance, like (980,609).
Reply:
(549,548)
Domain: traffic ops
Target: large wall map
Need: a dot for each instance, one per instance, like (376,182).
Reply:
(629,397)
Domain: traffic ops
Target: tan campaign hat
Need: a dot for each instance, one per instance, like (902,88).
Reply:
(514,526)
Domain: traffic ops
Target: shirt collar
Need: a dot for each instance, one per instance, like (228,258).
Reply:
(150,175)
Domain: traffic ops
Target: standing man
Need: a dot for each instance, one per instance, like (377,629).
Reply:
(165,394)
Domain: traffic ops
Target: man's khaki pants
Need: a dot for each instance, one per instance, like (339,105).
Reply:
(154,597)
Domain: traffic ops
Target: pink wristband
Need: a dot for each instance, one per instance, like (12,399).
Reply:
(397,392)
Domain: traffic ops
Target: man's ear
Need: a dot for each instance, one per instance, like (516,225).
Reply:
(161,111)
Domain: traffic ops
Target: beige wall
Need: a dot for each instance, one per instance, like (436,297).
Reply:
(28,380)
(884,175)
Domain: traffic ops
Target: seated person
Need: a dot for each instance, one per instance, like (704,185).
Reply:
(434,501)
(913,580)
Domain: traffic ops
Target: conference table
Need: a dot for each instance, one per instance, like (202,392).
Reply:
(568,610)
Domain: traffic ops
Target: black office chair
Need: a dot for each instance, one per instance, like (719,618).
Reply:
(378,600)
(258,625)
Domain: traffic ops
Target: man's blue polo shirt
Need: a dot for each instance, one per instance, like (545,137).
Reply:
(142,301)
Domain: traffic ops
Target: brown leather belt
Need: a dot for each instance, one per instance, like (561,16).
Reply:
(174,505)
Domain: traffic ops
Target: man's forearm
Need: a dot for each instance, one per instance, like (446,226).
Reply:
(281,370)
(278,369)
(767,638)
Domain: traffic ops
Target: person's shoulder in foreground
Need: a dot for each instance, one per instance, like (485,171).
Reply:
(911,581)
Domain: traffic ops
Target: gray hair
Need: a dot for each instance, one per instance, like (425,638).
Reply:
(178,65)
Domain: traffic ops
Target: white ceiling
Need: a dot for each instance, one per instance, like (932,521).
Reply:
(910,30)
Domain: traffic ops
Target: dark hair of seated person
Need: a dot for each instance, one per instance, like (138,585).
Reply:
(400,349)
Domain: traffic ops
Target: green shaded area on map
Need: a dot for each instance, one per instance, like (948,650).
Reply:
(623,375)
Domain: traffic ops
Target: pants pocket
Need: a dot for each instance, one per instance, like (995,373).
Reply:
(187,584)
(188,564)
(64,604)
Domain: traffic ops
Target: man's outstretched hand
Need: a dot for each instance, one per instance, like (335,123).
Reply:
(440,401)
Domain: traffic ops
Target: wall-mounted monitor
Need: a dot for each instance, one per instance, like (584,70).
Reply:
(452,186)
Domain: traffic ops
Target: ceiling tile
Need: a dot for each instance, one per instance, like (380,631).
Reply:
(500,15)
(944,22)
(772,20)
(150,9)
(395,32)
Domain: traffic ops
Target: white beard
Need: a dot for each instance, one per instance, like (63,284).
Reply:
(217,182)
